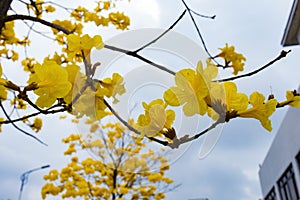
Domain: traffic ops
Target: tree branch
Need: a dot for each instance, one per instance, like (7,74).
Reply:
(161,35)
(21,130)
(125,123)
(4,7)
(198,30)
(177,142)
(135,55)
(36,19)
(279,57)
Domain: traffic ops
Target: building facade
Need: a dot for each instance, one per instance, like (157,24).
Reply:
(280,172)
(291,35)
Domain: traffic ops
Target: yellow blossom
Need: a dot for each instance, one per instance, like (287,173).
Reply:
(260,110)
(94,127)
(225,98)
(232,58)
(19,103)
(120,20)
(114,85)
(70,150)
(155,119)
(52,83)
(77,79)
(190,91)
(52,176)
(294,98)
(49,8)
(3,92)
(1,120)
(85,43)
(37,124)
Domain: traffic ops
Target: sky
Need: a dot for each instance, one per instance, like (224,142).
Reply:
(230,169)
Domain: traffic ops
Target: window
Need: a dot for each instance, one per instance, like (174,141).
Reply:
(287,185)
(271,195)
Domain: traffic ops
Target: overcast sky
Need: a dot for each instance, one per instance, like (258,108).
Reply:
(230,170)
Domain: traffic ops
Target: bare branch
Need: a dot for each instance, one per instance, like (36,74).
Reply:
(177,142)
(279,57)
(125,123)
(161,35)
(198,31)
(21,130)
(4,7)
(133,54)
(204,16)
(36,19)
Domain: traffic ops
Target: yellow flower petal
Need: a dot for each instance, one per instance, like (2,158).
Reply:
(260,110)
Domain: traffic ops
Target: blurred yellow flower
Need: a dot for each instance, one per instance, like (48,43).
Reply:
(114,86)
(37,124)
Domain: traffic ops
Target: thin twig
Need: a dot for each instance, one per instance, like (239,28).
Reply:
(198,30)
(36,19)
(135,55)
(21,130)
(204,16)
(125,123)
(161,35)
(177,142)
(279,57)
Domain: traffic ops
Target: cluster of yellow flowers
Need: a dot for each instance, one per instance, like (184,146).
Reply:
(120,170)
(8,39)
(232,59)
(118,19)
(50,81)
(196,91)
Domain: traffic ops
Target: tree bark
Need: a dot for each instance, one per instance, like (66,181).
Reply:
(4,6)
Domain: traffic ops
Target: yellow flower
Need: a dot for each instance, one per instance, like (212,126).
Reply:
(156,119)
(114,85)
(1,120)
(70,150)
(85,43)
(294,98)
(52,82)
(120,20)
(3,92)
(190,91)
(223,98)
(260,110)
(154,177)
(91,104)
(52,176)
(37,124)
(232,59)
(49,8)
(50,188)
(77,79)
